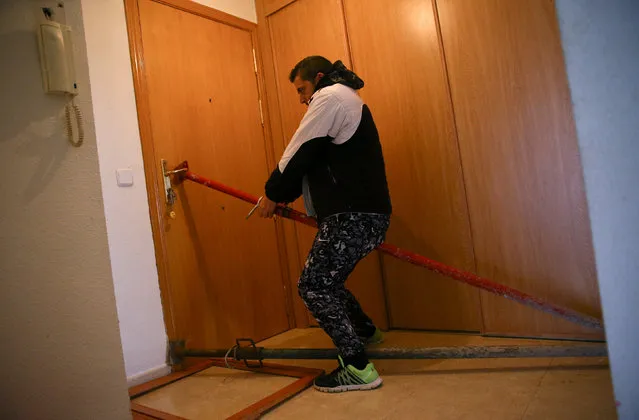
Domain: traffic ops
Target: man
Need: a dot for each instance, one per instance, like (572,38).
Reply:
(335,161)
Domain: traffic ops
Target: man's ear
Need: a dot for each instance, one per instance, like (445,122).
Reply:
(318,77)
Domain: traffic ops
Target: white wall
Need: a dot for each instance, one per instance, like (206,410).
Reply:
(601,45)
(126,208)
(244,9)
(60,356)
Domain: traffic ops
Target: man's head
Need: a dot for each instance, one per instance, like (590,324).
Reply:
(307,73)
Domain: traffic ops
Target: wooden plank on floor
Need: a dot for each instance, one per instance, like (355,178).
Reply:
(140,416)
(151,413)
(305,379)
(256,410)
(145,388)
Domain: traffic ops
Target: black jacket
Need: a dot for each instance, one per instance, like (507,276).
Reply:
(335,157)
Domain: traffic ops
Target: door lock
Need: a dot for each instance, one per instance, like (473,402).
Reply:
(169,193)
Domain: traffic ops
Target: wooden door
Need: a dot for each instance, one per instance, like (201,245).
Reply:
(295,30)
(396,50)
(197,95)
(521,161)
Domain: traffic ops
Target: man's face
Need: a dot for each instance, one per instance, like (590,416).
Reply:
(306,88)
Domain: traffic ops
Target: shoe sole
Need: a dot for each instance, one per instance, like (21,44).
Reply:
(345,388)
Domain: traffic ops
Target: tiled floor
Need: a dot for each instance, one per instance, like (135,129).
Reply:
(561,388)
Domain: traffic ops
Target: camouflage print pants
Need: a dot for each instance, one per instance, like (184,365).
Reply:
(342,241)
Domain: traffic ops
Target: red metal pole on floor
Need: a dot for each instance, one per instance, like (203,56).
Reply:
(419,260)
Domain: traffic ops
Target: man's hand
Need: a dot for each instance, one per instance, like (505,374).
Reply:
(267,208)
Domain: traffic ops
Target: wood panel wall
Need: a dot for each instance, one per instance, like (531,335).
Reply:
(474,112)
(519,150)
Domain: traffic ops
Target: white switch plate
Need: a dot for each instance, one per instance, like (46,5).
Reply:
(125,177)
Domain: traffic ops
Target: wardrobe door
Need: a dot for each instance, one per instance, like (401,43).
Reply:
(396,50)
(521,161)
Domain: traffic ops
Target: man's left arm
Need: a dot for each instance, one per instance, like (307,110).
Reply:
(312,135)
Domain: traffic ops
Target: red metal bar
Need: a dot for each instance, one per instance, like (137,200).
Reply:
(282,211)
(416,259)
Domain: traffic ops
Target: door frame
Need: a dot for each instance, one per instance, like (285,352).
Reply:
(152,168)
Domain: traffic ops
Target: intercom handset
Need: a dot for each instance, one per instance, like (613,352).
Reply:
(58,72)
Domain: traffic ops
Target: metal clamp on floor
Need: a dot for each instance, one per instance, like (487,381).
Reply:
(246,353)
(244,350)
(176,352)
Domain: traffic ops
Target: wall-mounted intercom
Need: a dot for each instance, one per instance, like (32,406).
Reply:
(56,58)
(58,71)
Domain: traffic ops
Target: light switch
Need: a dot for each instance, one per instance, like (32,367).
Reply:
(125,177)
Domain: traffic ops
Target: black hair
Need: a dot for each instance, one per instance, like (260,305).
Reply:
(308,68)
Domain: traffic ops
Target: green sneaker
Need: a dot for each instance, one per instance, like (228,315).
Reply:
(376,338)
(349,378)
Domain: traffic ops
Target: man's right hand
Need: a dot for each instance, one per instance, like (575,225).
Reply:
(267,208)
